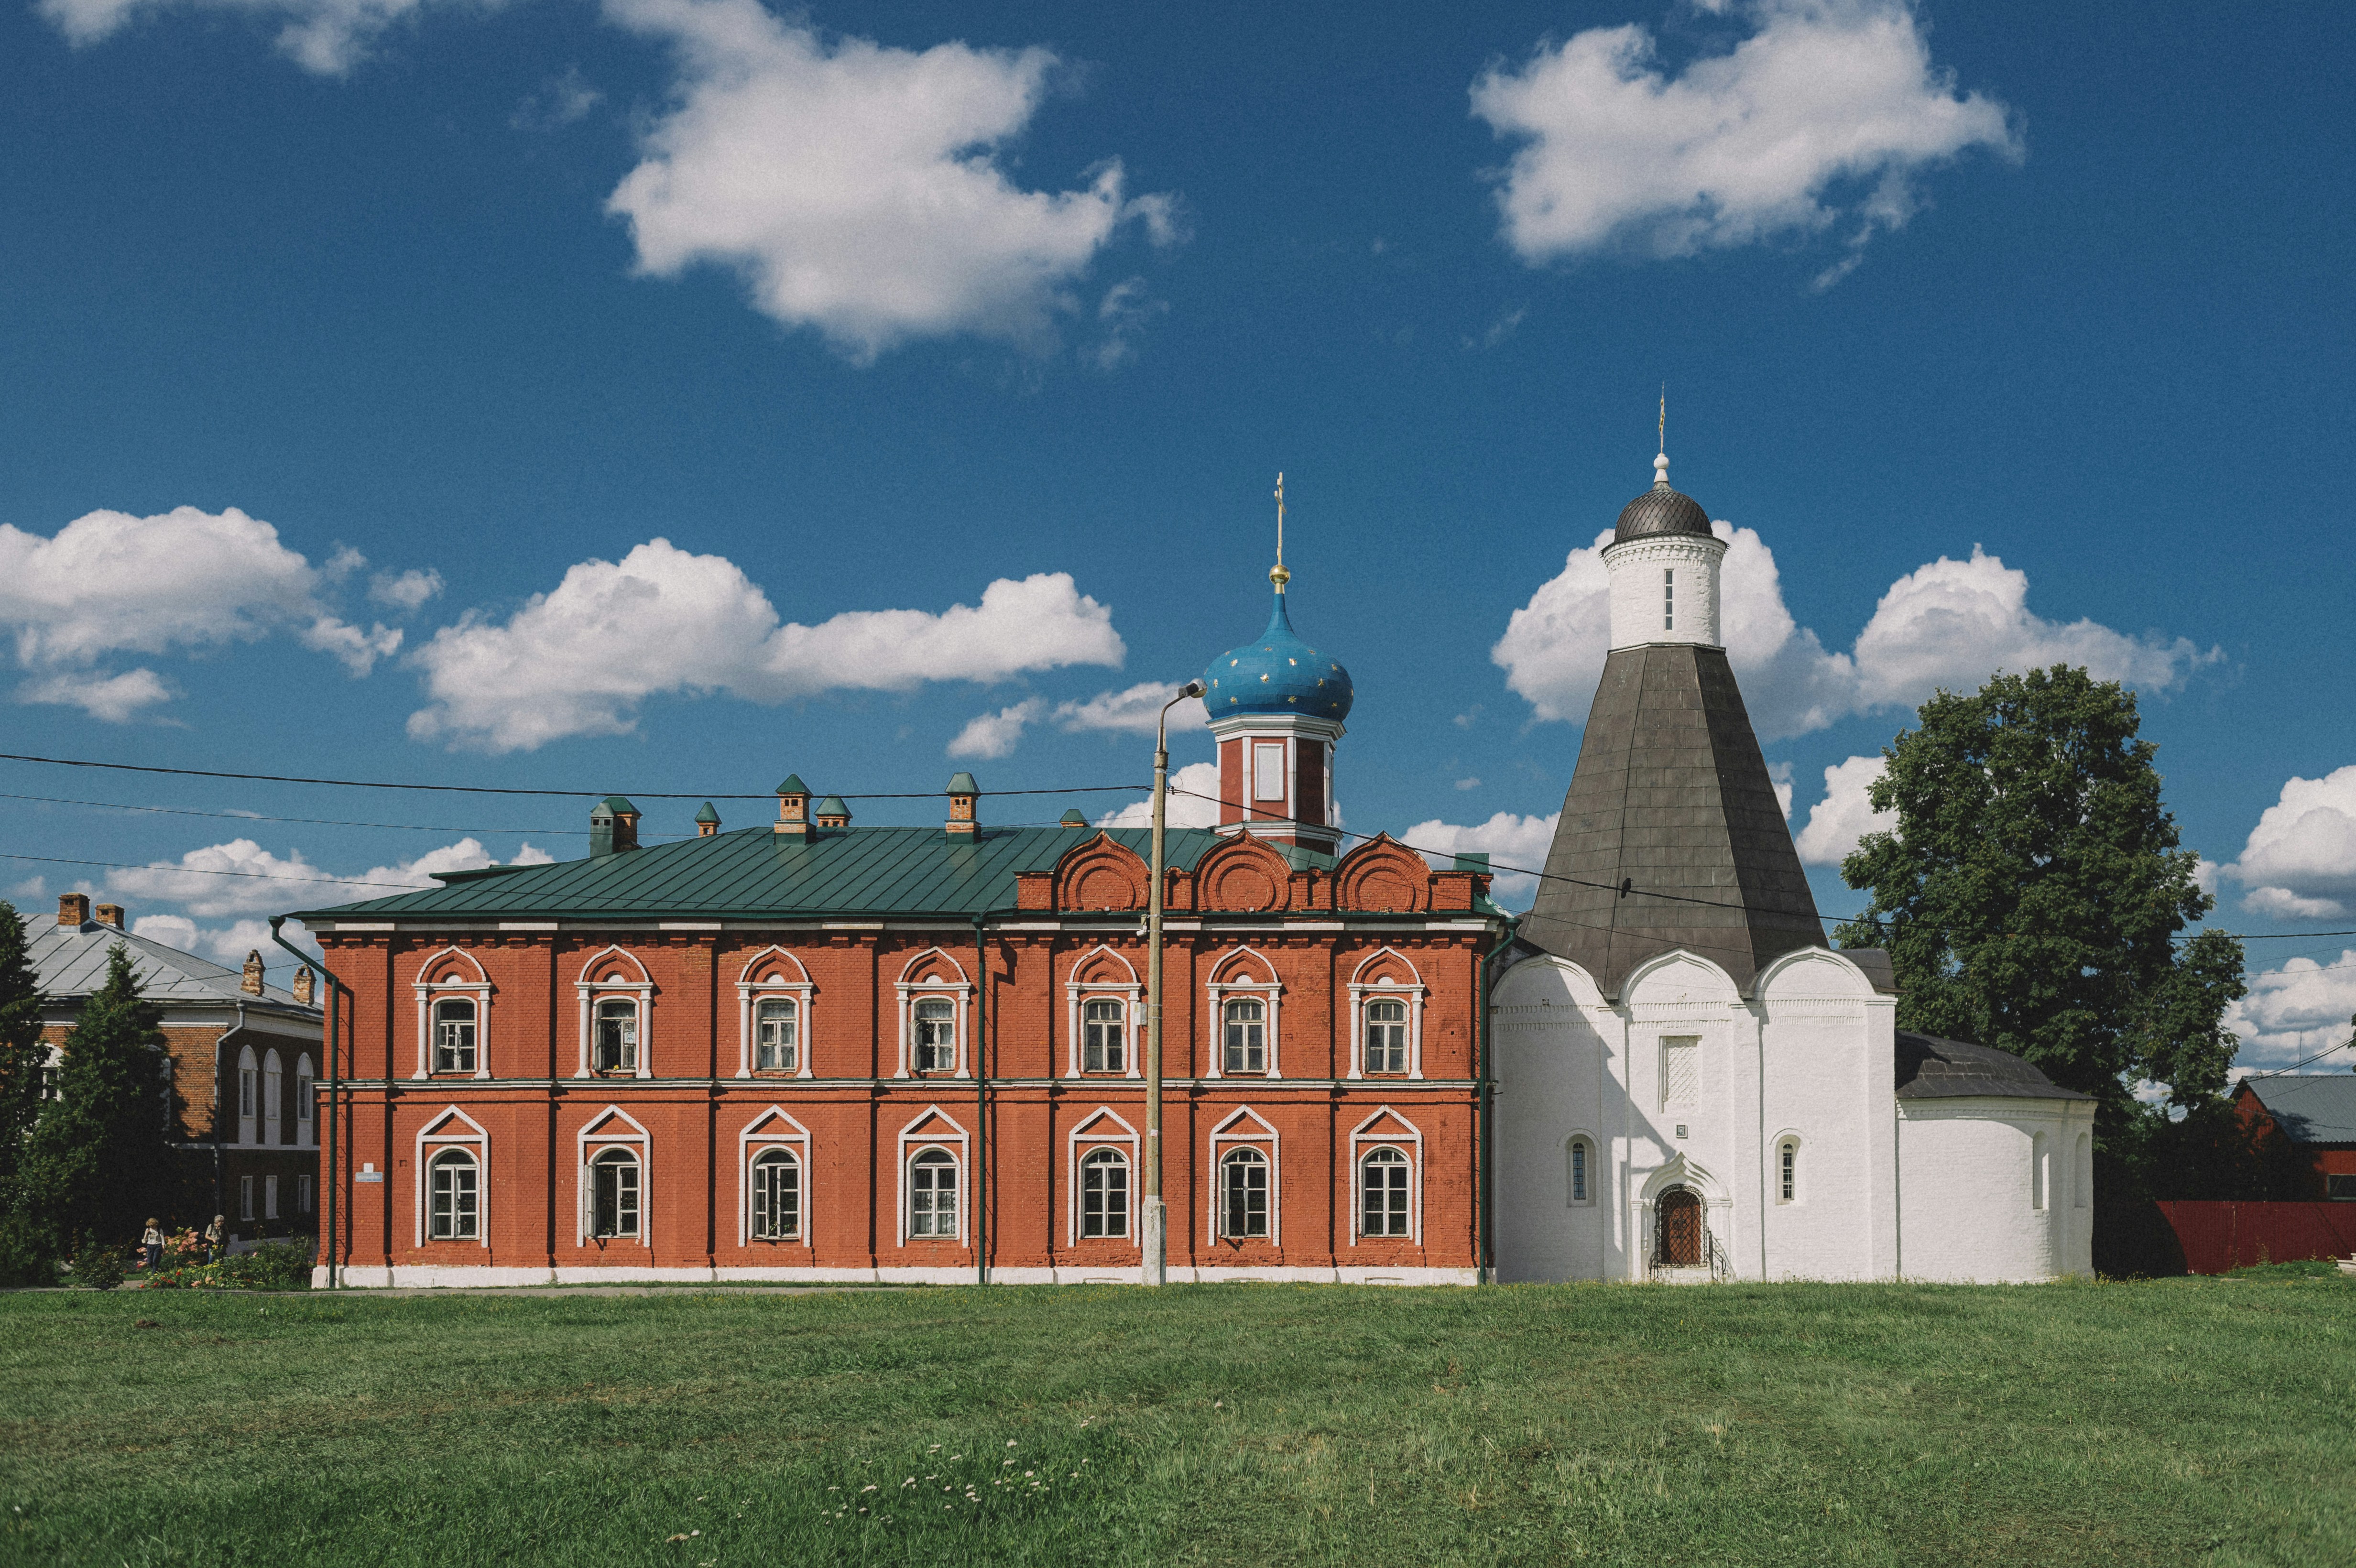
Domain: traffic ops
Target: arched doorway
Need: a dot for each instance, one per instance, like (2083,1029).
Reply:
(1676,1223)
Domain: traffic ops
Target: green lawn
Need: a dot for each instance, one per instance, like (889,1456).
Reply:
(2177,1421)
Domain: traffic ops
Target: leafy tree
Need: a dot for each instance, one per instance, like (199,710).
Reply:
(2032,891)
(23,1260)
(99,1160)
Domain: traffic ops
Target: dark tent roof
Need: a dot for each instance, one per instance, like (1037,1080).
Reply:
(1929,1068)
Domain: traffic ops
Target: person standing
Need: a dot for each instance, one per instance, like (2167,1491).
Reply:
(151,1245)
(216,1237)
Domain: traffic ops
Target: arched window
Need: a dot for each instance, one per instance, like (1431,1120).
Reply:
(1104,1194)
(1382,1193)
(1787,1171)
(614,1193)
(615,1048)
(1387,1036)
(777,1045)
(453,1211)
(1582,1171)
(304,1098)
(272,1088)
(1243,1189)
(453,1034)
(248,1096)
(2081,1192)
(1246,1021)
(1105,1043)
(935,1035)
(933,1192)
(2041,1173)
(777,1197)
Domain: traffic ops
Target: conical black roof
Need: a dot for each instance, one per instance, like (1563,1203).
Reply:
(1671,797)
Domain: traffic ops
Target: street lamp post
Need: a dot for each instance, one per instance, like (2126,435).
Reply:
(1156,1250)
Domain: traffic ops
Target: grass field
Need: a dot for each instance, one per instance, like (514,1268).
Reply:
(2179,1421)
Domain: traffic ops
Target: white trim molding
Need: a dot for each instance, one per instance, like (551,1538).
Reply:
(913,1143)
(782,978)
(1100,1128)
(1078,993)
(934,985)
(431,1141)
(589,1144)
(1382,986)
(1260,1133)
(1363,1143)
(453,985)
(771,1130)
(594,988)
(1219,991)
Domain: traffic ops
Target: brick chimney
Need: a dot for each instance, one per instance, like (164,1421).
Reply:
(251,981)
(963,794)
(793,807)
(111,914)
(1073,819)
(73,909)
(832,813)
(707,822)
(613,825)
(302,982)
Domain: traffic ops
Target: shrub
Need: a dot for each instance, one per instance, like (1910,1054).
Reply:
(99,1268)
(273,1266)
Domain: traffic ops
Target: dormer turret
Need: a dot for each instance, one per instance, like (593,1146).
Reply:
(793,807)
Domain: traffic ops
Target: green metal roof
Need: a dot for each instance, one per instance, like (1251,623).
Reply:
(962,784)
(755,872)
(793,785)
(707,814)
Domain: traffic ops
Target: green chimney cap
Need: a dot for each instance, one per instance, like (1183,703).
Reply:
(1073,819)
(962,784)
(793,785)
(832,806)
(1476,862)
(707,814)
(615,804)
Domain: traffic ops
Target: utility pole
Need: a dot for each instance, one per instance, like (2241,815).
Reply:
(1156,1250)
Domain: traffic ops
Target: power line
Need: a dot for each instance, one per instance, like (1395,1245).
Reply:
(204,871)
(311,821)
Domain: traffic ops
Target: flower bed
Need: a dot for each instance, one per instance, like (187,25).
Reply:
(273,1266)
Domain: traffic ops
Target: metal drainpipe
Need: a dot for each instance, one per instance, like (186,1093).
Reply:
(1484,1170)
(980,1107)
(326,1149)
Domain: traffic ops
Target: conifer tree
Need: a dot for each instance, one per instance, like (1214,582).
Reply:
(25,1256)
(100,1160)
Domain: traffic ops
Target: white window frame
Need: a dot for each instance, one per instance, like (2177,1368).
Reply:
(1262,753)
(1789,1139)
(593,990)
(274,1094)
(453,982)
(927,977)
(306,1115)
(1573,1176)
(588,1144)
(1219,991)
(912,1144)
(1101,1128)
(1668,599)
(1408,1139)
(249,1097)
(452,1128)
(245,1197)
(1367,987)
(1078,992)
(771,1129)
(270,1196)
(781,977)
(1259,1134)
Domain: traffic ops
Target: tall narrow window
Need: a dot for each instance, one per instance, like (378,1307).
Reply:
(302,1198)
(1267,769)
(1583,1162)
(1246,1019)
(1680,1070)
(614,1185)
(453,1034)
(617,1040)
(245,1197)
(1382,1194)
(933,1194)
(270,1198)
(2041,1173)
(777,1047)
(935,1035)
(245,1096)
(1668,599)
(454,1198)
(1243,1194)
(1103,1046)
(305,1098)
(1787,1171)
(777,1197)
(1104,1194)
(273,1096)
(1387,1036)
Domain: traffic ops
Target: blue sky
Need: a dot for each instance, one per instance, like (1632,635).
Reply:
(865,309)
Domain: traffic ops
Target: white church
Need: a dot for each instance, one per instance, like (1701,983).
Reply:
(1690,1084)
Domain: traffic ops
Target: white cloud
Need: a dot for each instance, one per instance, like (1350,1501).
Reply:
(1780,775)
(1197,808)
(1508,839)
(256,882)
(1468,783)
(227,945)
(2300,860)
(566,97)
(1950,624)
(1845,816)
(992,735)
(580,659)
(407,590)
(2296,1011)
(110,583)
(1131,711)
(1122,316)
(329,37)
(1823,115)
(117,699)
(859,188)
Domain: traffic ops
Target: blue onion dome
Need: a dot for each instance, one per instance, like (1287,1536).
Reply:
(1276,672)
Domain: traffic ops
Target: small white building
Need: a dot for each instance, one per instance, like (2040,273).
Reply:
(1690,1084)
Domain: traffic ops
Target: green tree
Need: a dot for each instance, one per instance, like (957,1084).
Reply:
(100,1160)
(2033,890)
(24,1259)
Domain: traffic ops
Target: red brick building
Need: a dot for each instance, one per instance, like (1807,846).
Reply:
(811,1050)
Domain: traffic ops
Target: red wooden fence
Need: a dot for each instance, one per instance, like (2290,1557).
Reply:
(2220,1236)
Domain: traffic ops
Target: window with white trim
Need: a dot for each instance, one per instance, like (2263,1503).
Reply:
(1267,769)
(1104,1037)
(613,1194)
(245,1094)
(776,1196)
(245,1197)
(453,1034)
(273,1088)
(1582,1171)
(935,1035)
(933,1193)
(1243,1194)
(270,1198)
(613,1047)
(1247,1035)
(1383,1201)
(454,1198)
(1104,1194)
(1387,1035)
(1680,1070)
(776,1044)
(1787,1171)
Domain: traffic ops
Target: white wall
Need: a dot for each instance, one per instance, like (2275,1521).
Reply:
(1637,603)
(1967,1187)
(1827,1066)
(1552,1042)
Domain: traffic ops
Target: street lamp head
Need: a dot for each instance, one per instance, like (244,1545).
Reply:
(1192,689)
